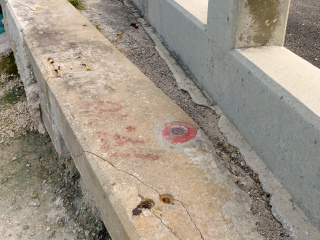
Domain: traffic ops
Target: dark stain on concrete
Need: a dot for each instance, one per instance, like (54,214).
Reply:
(265,15)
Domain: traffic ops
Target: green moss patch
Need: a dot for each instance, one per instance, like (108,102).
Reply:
(78,4)
(15,95)
(8,66)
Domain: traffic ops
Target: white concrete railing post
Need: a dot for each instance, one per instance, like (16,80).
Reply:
(247,23)
(234,24)
(268,93)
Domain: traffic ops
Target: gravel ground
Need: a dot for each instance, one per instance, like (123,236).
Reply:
(41,195)
(303,30)
(113,19)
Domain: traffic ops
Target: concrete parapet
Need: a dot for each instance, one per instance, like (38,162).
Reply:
(267,92)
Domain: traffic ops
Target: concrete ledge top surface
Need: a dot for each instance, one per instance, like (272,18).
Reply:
(142,156)
(297,76)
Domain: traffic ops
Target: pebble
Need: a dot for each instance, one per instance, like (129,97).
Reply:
(25,227)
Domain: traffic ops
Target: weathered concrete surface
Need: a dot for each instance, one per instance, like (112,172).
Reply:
(4,44)
(129,141)
(262,23)
(283,208)
(15,27)
(279,127)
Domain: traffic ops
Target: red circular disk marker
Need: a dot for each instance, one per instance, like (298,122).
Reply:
(179,132)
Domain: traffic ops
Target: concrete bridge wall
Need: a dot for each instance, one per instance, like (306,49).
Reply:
(270,94)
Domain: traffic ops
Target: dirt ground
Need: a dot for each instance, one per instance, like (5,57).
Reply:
(303,30)
(40,196)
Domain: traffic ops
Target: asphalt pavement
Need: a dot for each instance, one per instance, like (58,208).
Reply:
(303,30)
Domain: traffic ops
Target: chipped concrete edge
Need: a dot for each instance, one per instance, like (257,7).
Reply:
(283,208)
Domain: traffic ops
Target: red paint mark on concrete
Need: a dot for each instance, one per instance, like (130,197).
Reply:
(179,132)
(118,140)
(105,110)
(107,107)
(103,139)
(131,129)
(121,140)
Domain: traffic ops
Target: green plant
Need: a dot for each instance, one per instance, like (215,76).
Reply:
(8,65)
(78,4)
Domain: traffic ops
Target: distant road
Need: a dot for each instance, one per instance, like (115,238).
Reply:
(303,30)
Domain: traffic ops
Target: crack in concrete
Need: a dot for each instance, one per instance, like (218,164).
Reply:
(25,6)
(120,170)
(166,225)
(191,219)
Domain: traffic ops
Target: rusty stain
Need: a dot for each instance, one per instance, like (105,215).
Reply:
(50,60)
(136,211)
(86,66)
(57,72)
(166,198)
(146,203)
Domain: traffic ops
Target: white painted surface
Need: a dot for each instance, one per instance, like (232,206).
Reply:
(293,73)
(198,8)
